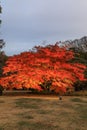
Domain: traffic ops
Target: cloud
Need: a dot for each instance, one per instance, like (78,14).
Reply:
(26,21)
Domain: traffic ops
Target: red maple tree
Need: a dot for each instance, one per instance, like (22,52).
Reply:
(49,63)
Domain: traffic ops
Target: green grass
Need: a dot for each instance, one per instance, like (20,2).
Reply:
(1,128)
(81,108)
(25,115)
(78,100)
(27,103)
(82,111)
(37,126)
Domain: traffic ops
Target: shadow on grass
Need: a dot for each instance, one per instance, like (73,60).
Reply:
(2,101)
(1,128)
(28,103)
(25,115)
(37,126)
(82,111)
(81,108)
(78,100)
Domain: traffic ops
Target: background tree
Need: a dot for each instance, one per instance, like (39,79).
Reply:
(3,57)
(80,57)
(2,43)
(0,13)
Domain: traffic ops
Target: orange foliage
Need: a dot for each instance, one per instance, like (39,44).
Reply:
(29,69)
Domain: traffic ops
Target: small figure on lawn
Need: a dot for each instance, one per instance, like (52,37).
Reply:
(60,97)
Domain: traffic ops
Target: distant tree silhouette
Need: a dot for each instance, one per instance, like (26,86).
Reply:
(2,43)
(3,57)
(0,12)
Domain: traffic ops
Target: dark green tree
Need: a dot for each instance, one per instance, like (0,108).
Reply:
(3,57)
(80,57)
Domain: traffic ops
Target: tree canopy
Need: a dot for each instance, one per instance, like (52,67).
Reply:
(49,63)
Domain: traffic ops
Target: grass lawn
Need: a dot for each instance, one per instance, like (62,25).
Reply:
(43,113)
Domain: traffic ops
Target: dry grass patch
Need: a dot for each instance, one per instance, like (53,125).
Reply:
(41,113)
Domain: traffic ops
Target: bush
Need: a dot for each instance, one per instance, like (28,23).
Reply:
(80,85)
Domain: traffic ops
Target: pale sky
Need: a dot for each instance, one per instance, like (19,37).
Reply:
(26,23)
